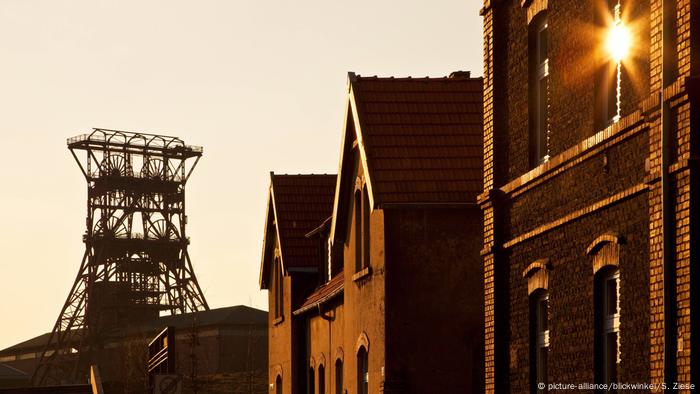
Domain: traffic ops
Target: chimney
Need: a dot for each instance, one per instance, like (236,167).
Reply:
(460,74)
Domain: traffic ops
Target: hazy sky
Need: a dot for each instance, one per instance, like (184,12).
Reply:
(260,84)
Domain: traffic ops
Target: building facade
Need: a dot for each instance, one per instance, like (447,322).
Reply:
(388,312)
(590,193)
(297,204)
(222,350)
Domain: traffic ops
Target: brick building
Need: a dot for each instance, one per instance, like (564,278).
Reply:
(393,255)
(590,193)
(297,204)
(222,350)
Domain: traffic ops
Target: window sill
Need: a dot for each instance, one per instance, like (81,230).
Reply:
(364,273)
(278,320)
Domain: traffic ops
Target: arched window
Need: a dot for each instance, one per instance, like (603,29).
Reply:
(607,324)
(365,227)
(362,371)
(539,339)
(312,380)
(278,385)
(537,275)
(358,230)
(339,376)
(605,251)
(538,42)
(321,379)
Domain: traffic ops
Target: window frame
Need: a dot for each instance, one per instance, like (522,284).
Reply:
(539,339)
(322,379)
(278,288)
(362,370)
(365,228)
(539,88)
(358,229)
(312,380)
(610,324)
(607,324)
(339,376)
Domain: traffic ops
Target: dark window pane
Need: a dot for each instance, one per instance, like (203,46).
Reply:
(543,45)
(542,117)
(542,366)
(542,311)
(321,380)
(338,377)
(611,357)
(611,296)
(312,381)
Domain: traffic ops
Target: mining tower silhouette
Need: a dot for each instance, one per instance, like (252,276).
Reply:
(135,264)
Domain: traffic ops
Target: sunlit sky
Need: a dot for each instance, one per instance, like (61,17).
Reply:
(260,84)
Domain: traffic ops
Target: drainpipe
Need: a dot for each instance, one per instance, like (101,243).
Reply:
(669,269)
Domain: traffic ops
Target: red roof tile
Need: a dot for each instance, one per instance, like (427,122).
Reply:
(423,137)
(301,204)
(322,294)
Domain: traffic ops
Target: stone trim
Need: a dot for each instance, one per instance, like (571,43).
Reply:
(605,139)
(605,251)
(361,274)
(322,360)
(362,341)
(339,355)
(541,264)
(599,242)
(278,371)
(625,194)
(312,363)
(534,7)
(537,274)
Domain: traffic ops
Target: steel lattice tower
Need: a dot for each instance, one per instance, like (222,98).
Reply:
(135,263)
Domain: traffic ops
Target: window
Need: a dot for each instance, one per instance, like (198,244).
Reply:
(358,231)
(278,288)
(607,308)
(321,379)
(312,380)
(539,90)
(362,229)
(339,376)
(362,371)
(365,228)
(278,385)
(539,339)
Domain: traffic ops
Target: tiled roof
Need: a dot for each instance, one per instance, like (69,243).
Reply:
(301,203)
(323,293)
(423,137)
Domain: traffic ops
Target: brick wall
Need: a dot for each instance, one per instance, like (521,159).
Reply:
(597,180)
(434,300)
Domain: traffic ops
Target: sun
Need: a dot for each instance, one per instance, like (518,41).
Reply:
(619,41)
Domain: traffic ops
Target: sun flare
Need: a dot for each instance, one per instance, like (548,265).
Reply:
(618,42)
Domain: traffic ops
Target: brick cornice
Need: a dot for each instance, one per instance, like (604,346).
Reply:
(625,194)
(608,137)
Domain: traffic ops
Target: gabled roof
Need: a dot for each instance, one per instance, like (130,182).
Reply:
(323,293)
(297,204)
(420,139)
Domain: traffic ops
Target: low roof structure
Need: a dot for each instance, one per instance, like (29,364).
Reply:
(297,204)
